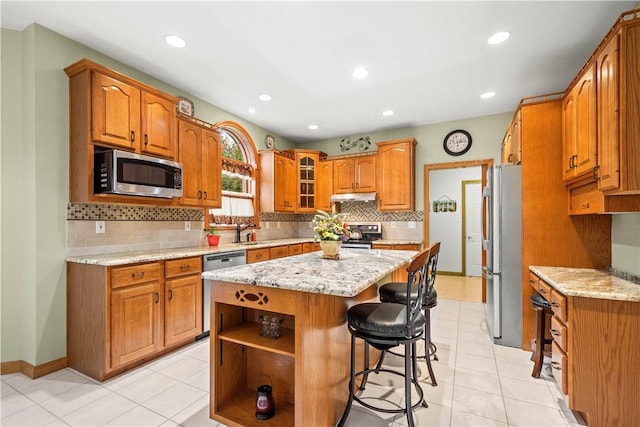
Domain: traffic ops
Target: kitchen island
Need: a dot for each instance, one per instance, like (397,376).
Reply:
(308,365)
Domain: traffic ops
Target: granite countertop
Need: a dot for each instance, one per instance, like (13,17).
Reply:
(588,283)
(355,271)
(121,258)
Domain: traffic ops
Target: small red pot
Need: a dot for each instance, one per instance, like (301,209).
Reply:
(213,240)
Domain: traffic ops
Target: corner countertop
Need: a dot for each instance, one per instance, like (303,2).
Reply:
(588,283)
(355,271)
(122,258)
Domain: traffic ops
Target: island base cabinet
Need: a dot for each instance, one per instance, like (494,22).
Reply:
(307,366)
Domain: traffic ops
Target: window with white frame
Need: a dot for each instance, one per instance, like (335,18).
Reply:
(238,178)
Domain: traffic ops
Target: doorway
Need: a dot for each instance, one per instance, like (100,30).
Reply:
(428,168)
(472,228)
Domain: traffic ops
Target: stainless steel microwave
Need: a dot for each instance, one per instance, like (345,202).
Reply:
(121,172)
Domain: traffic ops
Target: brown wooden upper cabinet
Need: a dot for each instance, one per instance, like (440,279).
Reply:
(511,144)
(200,152)
(127,117)
(355,174)
(618,78)
(579,143)
(307,179)
(277,181)
(324,185)
(396,175)
(108,109)
(601,118)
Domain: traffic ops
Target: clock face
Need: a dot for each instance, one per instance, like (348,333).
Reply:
(457,143)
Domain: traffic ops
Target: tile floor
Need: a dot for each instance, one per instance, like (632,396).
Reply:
(479,384)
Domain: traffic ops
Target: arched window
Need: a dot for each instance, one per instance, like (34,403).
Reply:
(239,201)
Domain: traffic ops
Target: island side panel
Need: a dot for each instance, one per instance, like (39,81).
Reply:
(323,346)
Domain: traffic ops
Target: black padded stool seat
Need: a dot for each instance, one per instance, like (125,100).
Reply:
(396,292)
(385,325)
(542,309)
(385,321)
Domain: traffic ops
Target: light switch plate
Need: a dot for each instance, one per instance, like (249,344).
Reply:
(392,224)
(187,226)
(100,227)
(412,224)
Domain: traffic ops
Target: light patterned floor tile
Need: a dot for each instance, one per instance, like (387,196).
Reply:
(523,414)
(74,399)
(174,399)
(139,416)
(196,414)
(476,363)
(527,391)
(482,404)
(482,381)
(100,412)
(465,419)
(51,386)
(33,415)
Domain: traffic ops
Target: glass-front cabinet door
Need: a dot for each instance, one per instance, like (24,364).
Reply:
(307,175)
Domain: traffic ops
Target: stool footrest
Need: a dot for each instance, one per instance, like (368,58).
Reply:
(416,385)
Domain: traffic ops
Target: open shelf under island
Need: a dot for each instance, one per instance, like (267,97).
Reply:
(308,365)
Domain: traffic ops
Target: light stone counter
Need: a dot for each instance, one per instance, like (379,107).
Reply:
(122,258)
(588,283)
(355,271)
(397,242)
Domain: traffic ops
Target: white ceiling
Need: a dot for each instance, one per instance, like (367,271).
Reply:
(428,61)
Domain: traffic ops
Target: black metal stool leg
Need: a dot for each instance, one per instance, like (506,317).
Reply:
(365,377)
(427,347)
(409,375)
(380,361)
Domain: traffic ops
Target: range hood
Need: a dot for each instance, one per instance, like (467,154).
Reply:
(354,197)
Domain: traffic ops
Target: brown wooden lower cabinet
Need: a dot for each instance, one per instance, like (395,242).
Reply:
(594,356)
(120,317)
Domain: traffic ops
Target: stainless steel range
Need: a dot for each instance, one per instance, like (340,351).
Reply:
(363,235)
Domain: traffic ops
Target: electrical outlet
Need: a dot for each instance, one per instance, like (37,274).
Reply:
(100,227)
(278,225)
(310,224)
(412,224)
(187,226)
(393,225)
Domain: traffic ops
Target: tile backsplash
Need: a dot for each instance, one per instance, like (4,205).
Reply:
(139,228)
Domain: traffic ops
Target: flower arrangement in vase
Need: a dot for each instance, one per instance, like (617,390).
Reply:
(331,231)
(212,236)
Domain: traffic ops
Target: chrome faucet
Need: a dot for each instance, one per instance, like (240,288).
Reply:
(240,228)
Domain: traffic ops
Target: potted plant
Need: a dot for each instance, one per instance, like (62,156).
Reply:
(331,231)
(213,237)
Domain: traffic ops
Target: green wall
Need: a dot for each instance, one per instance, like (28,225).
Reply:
(35,181)
(486,132)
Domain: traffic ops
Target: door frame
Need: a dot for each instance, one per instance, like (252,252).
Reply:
(485,164)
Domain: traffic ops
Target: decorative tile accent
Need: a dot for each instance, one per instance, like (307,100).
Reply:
(103,212)
(357,211)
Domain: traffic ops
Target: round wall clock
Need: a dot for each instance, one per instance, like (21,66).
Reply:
(457,142)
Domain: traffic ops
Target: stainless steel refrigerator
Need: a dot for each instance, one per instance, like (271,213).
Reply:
(503,246)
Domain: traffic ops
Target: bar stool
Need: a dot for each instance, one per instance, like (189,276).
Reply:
(397,292)
(541,308)
(385,325)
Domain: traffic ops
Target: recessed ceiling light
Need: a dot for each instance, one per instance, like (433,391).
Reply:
(488,95)
(498,37)
(388,113)
(175,41)
(360,73)
(265,97)
(252,110)
(313,127)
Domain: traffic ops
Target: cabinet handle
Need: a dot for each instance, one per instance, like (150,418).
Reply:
(185,267)
(137,275)
(542,291)
(585,206)
(510,158)
(556,365)
(596,176)
(133,136)
(555,332)
(199,194)
(146,139)
(157,297)
(205,195)
(575,158)
(170,294)
(554,304)
(532,281)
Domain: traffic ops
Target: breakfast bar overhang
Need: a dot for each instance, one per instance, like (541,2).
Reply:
(307,366)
